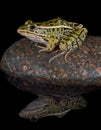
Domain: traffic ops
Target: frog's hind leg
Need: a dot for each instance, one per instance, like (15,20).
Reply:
(58,55)
(67,55)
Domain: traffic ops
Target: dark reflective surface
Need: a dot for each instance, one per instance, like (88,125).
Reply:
(13,100)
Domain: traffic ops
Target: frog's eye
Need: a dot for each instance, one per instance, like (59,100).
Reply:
(32,27)
(28,22)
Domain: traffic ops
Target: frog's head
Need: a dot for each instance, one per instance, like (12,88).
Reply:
(31,28)
(24,28)
(33,31)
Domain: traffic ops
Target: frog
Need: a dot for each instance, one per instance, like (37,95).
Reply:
(55,32)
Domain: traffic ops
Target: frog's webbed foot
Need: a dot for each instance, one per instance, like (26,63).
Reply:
(67,55)
(46,48)
(58,55)
(39,46)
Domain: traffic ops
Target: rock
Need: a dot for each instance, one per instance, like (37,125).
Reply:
(31,71)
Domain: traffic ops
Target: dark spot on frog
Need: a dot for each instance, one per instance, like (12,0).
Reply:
(32,27)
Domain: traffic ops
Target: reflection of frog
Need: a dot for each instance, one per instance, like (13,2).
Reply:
(68,35)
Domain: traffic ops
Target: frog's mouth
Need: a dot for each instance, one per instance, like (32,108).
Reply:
(26,33)
(35,37)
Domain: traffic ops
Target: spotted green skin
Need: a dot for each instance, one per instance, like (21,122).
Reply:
(68,35)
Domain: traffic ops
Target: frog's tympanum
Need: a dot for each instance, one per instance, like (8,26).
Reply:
(68,35)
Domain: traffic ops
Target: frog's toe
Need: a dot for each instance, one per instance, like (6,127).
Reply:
(54,57)
(39,46)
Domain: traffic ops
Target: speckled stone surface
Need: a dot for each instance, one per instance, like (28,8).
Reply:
(30,70)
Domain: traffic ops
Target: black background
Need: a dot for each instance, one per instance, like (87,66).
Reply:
(14,14)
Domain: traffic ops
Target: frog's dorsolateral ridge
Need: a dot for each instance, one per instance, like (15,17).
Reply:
(68,35)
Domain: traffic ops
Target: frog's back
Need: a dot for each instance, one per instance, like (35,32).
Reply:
(52,22)
(56,28)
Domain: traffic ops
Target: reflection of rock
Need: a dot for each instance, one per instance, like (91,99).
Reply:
(29,70)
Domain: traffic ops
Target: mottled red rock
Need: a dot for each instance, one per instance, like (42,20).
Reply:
(30,70)
(99,70)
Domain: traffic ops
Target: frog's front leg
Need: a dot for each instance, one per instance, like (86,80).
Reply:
(52,43)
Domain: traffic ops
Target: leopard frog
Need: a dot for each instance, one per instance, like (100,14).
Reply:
(55,32)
